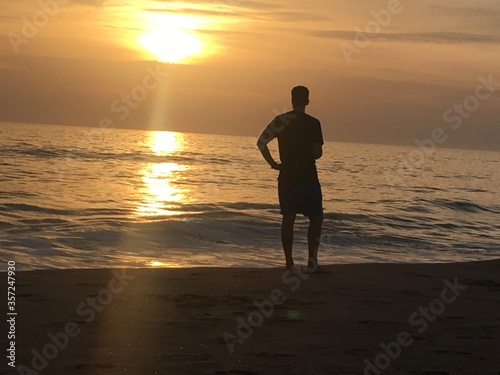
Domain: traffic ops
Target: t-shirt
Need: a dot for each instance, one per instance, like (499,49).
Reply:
(297,132)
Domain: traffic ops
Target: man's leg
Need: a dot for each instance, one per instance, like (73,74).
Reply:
(287,238)
(313,237)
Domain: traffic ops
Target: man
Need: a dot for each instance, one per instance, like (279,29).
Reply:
(300,144)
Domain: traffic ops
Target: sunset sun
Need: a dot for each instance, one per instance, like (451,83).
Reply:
(171,38)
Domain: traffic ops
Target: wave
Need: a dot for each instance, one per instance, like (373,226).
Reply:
(60,153)
(21,207)
(224,231)
(463,206)
(237,221)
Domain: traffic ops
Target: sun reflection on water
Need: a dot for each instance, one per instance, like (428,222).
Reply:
(160,264)
(165,143)
(160,192)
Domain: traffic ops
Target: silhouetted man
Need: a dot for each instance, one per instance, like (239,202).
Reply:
(300,143)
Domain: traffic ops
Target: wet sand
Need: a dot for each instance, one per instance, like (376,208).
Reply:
(353,319)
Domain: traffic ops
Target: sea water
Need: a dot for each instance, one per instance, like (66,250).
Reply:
(75,197)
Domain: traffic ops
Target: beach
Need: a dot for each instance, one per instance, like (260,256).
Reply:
(351,319)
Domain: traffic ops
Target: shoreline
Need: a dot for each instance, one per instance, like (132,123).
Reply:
(402,318)
(330,265)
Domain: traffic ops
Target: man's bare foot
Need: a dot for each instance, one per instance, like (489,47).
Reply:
(314,267)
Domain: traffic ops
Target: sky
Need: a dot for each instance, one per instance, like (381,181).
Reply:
(390,72)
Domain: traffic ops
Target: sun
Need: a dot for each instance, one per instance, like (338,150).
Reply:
(172,38)
(172,46)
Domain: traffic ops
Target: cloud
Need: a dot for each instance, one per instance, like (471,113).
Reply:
(199,11)
(8,17)
(439,37)
(283,16)
(250,10)
(468,11)
(255,5)
(287,16)
(95,3)
(468,17)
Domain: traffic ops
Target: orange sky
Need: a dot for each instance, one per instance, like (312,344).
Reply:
(76,62)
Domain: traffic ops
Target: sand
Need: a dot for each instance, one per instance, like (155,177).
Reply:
(354,319)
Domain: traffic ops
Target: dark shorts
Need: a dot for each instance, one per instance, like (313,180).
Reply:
(303,198)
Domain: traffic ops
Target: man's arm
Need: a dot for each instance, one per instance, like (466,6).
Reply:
(318,145)
(317,150)
(264,139)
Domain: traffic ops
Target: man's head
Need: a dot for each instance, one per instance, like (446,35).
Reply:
(300,96)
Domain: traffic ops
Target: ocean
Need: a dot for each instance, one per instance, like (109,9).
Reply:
(76,197)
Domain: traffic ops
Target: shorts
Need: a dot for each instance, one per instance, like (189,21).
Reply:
(303,198)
